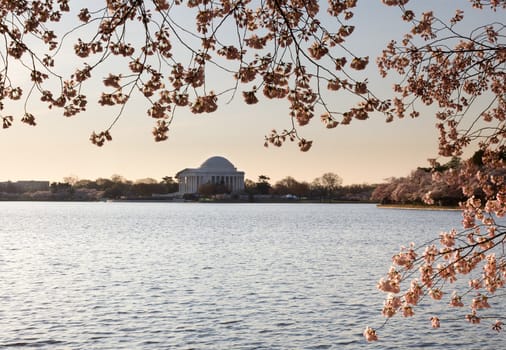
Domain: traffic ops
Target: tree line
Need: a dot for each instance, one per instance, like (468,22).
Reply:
(422,186)
(325,188)
(72,188)
(328,187)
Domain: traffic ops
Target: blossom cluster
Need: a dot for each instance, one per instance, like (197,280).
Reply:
(176,58)
(471,252)
(452,72)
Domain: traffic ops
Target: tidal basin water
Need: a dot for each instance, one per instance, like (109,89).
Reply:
(212,276)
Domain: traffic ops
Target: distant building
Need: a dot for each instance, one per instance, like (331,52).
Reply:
(32,186)
(25,186)
(215,170)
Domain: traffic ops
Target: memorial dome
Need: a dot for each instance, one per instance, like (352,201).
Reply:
(214,171)
(218,163)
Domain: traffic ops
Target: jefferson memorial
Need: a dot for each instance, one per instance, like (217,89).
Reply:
(215,170)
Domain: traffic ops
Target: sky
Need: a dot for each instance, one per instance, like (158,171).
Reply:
(362,152)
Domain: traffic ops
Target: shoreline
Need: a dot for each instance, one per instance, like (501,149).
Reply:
(417,207)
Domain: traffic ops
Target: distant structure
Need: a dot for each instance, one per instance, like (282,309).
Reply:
(24,186)
(215,170)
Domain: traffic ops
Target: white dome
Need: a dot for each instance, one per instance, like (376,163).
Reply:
(217,163)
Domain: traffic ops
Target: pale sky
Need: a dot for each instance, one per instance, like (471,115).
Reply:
(363,152)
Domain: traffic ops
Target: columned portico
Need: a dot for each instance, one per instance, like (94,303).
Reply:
(215,170)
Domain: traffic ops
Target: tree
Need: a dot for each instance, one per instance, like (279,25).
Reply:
(211,190)
(250,186)
(421,186)
(147,187)
(172,185)
(115,188)
(328,183)
(102,184)
(463,76)
(71,180)
(317,189)
(147,181)
(116,191)
(406,190)
(290,186)
(119,179)
(61,190)
(279,49)
(294,51)
(263,186)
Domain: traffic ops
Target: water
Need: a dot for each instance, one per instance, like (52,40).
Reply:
(210,276)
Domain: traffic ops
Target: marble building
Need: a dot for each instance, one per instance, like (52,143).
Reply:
(215,170)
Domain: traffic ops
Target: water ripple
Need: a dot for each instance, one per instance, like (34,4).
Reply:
(177,276)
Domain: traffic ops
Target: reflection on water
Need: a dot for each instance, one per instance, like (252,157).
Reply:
(207,276)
